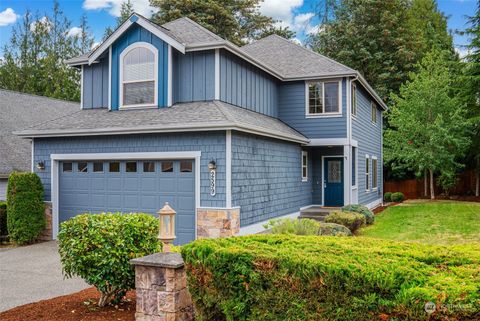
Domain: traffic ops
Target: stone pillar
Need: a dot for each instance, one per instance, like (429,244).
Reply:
(161,288)
(218,222)
(47,232)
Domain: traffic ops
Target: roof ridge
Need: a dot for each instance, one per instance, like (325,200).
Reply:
(219,106)
(39,96)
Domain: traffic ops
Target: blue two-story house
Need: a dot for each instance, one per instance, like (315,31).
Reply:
(229,136)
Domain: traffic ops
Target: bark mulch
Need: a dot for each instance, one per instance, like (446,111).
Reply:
(80,306)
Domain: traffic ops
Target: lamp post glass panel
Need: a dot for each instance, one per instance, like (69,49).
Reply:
(167,226)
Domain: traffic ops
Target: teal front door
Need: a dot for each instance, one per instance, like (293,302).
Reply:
(333,181)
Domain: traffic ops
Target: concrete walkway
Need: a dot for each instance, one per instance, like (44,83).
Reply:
(32,273)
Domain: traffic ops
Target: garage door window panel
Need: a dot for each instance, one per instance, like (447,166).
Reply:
(148,167)
(186,167)
(82,167)
(114,167)
(98,167)
(167,167)
(67,167)
(131,167)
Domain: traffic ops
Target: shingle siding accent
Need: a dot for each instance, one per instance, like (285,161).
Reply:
(211,144)
(266,178)
(292,110)
(369,137)
(193,76)
(245,85)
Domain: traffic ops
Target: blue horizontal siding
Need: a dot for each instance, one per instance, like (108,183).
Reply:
(211,144)
(267,178)
(95,84)
(291,110)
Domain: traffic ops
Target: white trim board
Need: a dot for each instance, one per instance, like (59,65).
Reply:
(258,227)
(170,78)
(228,165)
(332,142)
(374,204)
(56,158)
(217,74)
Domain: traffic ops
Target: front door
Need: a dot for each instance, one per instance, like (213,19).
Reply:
(333,181)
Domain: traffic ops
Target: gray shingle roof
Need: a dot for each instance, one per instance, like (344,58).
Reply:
(191,33)
(293,61)
(196,116)
(17,111)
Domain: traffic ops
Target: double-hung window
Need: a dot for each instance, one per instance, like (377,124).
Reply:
(323,98)
(367,173)
(304,166)
(138,75)
(374,173)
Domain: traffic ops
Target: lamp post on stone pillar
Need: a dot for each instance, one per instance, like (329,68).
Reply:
(166,233)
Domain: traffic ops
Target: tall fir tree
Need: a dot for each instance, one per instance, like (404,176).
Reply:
(126,11)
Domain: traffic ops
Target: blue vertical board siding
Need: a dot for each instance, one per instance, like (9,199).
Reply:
(95,84)
(245,85)
(211,144)
(267,178)
(138,34)
(369,137)
(193,76)
(292,110)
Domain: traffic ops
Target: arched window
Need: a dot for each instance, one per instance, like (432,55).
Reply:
(138,76)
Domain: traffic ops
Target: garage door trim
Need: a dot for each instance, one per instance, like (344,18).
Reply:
(56,158)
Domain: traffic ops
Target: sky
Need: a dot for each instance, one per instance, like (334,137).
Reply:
(296,14)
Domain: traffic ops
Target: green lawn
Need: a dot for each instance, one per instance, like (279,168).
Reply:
(432,222)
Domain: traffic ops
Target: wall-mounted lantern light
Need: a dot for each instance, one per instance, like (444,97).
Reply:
(166,233)
(40,165)
(212,165)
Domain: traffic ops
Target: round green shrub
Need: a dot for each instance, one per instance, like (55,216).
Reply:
(365,211)
(26,209)
(306,226)
(398,197)
(99,247)
(387,197)
(353,221)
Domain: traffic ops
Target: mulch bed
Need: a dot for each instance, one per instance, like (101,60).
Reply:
(80,306)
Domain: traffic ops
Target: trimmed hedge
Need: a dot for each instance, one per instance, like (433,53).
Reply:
(387,197)
(398,197)
(353,221)
(3,221)
(290,277)
(365,211)
(99,247)
(306,226)
(26,210)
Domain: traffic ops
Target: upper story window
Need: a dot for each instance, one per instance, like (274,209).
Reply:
(374,112)
(304,166)
(354,100)
(323,98)
(138,76)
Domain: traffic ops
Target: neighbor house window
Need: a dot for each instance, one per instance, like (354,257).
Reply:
(374,113)
(138,75)
(304,166)
(374,173)
(367,173)
(354,166)
(323,98)
(354,100)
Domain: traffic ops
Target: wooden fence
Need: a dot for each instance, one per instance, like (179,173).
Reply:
(414,188)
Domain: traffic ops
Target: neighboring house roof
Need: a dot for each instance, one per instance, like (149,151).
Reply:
(17,111)
(184,117)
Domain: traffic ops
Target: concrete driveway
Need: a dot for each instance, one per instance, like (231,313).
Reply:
(32,273)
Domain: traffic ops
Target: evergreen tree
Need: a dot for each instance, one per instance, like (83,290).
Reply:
(237,21)
(429,129)
(126,11)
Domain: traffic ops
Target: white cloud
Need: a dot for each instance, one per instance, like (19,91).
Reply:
(42,21)
(113,6)
(462,52)
(8,17)
(74,32)
(94,45)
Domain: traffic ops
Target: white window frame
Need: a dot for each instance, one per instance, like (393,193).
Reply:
(125,51)
(324,114)
(373,111)
(374,173)
(305,166)
(367,173)
(354,100)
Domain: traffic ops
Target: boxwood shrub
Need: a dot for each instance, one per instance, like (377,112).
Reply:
(365,211)
(353,221)
(387,197)
(398,197)
(290,277)
(99,247)
(306,226)
(26,210)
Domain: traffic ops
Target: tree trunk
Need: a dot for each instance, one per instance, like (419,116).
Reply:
(432,187)
(425,183)
(105,299)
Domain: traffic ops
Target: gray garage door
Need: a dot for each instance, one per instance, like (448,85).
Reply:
(129,186)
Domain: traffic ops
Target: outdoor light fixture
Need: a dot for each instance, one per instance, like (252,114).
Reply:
(40,165)
(212,165)
(166,233)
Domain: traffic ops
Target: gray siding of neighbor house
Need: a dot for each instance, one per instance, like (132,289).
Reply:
(3,189)
(369,137)
(193,76)
(95,84)
(316,154)
(245,85)
(211,144)
(292,110)
(266,178)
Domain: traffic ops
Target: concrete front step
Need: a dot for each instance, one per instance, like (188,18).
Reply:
(317,212)
(319,218)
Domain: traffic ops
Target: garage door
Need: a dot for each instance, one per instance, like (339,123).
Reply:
(129,186)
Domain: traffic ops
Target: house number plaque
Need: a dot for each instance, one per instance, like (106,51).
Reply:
(212,182)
